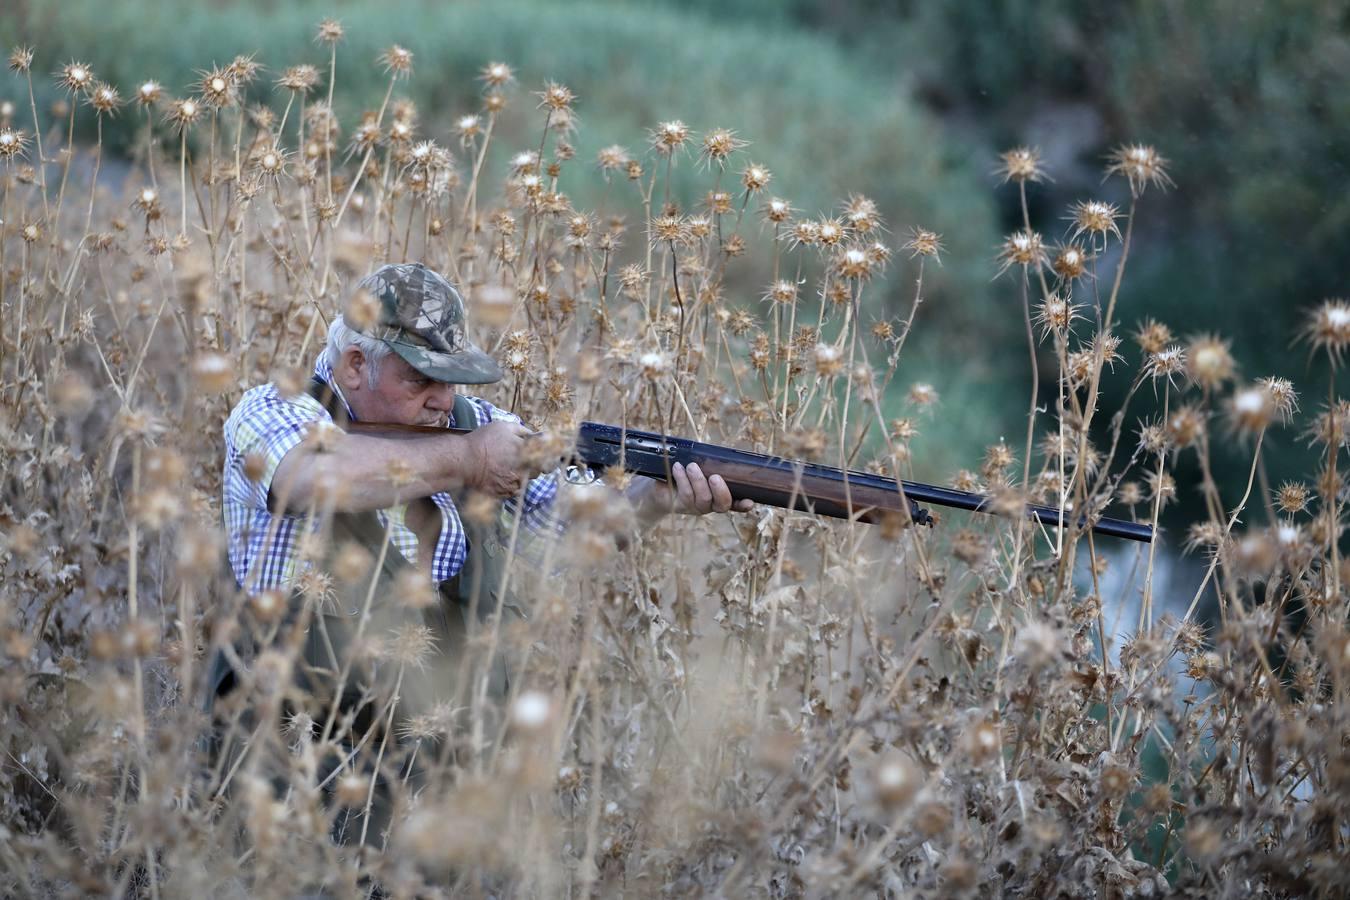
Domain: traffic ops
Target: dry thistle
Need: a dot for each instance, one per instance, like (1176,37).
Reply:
(1166,364)
(1282,395)
(1141,165)
(922,395)
(718,145)
(1292,497)
(396,61)
(668,137)
(923,242)
(21,59)
(1096,219)
(853,263)
(829,360)
(496,75)
(1056,315)
(1250,410)
(299,79)
(672,230)
(149,93)
(556,97)
(213,373)
(1152,337)
(830,232)
(1209,364)
(1021,164)
(75,77)
(777,210)
(104,98)
(183,113)
(1022,248)
(330,31)
(13,142)
(218,88)
(1070,262)
(1328,328)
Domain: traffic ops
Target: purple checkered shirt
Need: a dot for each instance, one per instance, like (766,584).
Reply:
(263,545)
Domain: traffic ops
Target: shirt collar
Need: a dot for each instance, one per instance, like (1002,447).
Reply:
(324,372)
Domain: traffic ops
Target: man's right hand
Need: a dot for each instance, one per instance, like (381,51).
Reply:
(494,466)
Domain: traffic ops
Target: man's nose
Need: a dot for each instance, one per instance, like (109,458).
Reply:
(441,398)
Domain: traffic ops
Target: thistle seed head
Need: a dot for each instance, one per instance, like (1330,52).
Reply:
(1021,164)
(330,31)
(1209,364)
(1096,219)
(75,77)
(670,136)
(496,74)
(1141,165)
(13,143)
(396,61)
(21,59)
(1328,329)
(1022,248)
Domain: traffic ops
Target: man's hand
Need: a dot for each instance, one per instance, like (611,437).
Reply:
(698,494)
(694,493)
(494,466)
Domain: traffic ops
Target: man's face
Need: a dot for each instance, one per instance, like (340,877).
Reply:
(401,395)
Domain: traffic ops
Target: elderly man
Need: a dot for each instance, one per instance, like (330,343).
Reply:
(395,508)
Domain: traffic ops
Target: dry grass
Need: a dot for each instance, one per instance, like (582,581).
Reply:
(769,704)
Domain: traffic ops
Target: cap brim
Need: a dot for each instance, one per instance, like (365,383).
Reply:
(468,366)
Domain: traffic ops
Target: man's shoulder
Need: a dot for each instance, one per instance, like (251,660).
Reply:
(266,404)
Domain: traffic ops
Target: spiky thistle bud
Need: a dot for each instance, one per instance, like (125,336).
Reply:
(556,97)
(670,136)
(396,61)
(1021,164)
(13,142)
(496,74)
(1022,248)
(718,145)
(1096,219)
(1250,410)
(330,31)
(21,59)
(1141,165)
(1328,328)
(923,242)
(1208,361)
(1166,364)
(1070,262)
(149,93)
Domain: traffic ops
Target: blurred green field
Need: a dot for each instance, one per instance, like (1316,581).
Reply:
(906,102)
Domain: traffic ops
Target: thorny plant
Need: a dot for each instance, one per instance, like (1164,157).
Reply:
(769,705)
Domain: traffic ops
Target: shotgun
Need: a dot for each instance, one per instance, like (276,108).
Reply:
(784,483)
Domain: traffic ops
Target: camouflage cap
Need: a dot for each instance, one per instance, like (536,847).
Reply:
(422,320)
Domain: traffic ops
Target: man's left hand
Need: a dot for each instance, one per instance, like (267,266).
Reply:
(697,494)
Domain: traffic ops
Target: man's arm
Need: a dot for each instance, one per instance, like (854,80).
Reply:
(375,473)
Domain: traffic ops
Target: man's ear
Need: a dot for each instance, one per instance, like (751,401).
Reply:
(351,369)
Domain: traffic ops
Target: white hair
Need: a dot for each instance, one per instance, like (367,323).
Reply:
(341,336)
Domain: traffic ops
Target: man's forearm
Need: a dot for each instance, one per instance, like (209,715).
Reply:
(364,473)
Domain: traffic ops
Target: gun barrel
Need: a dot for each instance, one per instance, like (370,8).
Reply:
(1048,515)
(801,485)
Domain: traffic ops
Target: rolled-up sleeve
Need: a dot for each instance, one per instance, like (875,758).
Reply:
(266,426)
